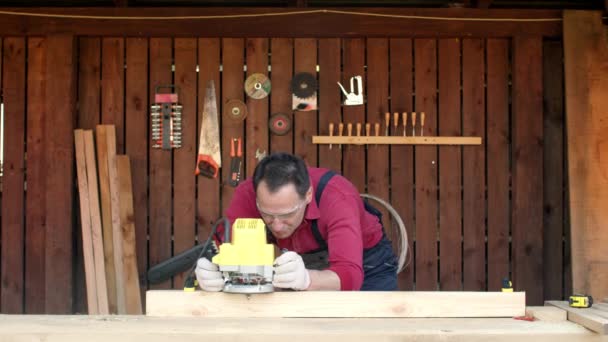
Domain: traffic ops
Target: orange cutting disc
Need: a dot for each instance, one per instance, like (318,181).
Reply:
(235,109)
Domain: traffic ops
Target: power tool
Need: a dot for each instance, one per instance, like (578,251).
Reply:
(245,258)
(580,301)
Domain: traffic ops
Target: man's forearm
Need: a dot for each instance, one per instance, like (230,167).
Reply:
(323,280)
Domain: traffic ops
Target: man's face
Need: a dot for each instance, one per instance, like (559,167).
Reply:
(283,210)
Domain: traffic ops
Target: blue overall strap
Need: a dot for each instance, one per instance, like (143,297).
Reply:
(314,227)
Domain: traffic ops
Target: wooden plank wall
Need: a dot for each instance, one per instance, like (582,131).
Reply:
(474,215)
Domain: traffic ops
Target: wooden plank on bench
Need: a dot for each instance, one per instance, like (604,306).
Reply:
(591,318)
(335,304)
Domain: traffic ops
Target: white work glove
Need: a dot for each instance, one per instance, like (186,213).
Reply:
(290,272)
(208,276)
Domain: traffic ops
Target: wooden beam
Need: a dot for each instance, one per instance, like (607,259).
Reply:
(591,318)
(586,57)
(546,313)
(126,329)
(176,303)
(279,22)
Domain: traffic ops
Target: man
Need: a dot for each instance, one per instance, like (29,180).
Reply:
(335,241)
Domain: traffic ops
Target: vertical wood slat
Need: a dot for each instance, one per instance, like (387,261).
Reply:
(474,205)
(112,86)
(86,223)
(184,180)
(160,165)
(450,167)
(1,62)
(305,123)
(256,125)
(353,156)
(96,229)
(208,203)
(280,100)
(183,174)
(127,236)
(586,63)
(426,166)
(59,157)
(377,105)
(498,161)
(553,175)
(401,158)
(528,166)
(232,88)
(89,82)
(35,177)
(329,100)
(136,142)
(13,89)
(101,142)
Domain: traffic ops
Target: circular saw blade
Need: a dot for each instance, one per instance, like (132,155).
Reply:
(303,85)
(235,109)
(257,86)
(279,124)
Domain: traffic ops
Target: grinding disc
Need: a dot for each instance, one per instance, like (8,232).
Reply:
(303,85)
(257,86)
(235,109)
(279,124)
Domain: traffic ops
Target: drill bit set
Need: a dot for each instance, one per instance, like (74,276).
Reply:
(166,119)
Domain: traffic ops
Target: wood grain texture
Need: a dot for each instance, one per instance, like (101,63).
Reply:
(402,157)
(256,125)
(113,87)
(498,167)
(591,318)
(14,95)
(35,177)
(184,180)
(527,183)
(425,66)
(59,158)
(336,304)
(329,100)
(473,161)
(281,63)
(159,244)
(450,167)
(585,54)
(305,123)
(89,82)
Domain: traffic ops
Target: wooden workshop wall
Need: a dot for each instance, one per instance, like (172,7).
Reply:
(474,215)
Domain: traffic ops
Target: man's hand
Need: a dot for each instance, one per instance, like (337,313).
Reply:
(208,276)
(290,272)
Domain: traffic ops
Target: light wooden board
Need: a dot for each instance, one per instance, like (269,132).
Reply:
(127,229)
(155,329)
(85,222)
(591,318)
(586,66)
(335,304)
(96,234)
(547,313)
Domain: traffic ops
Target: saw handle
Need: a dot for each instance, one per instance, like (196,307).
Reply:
(206,166)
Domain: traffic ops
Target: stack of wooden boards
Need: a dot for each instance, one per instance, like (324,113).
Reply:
(108,231)
(594,318)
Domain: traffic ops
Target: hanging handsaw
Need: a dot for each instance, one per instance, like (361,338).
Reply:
(209,157)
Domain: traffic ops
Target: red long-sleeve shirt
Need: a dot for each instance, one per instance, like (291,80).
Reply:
(343,222)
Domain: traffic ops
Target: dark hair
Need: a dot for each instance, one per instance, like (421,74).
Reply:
(279,169)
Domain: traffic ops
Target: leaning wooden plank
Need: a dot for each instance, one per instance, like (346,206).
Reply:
(586,57)
(96,235)
(115,210)
(194,329)
(85,223)
(106,214)
(590,318)
(127,229)
(546,313)
(336,304)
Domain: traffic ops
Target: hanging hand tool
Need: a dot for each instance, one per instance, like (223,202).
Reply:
(395,122)
(235,162)
(259,155)
(209,157)
(358,129)
(166,119)
(349,128)
(387,122)
(340,131)
(331,131)
(404,114)
(355,97)
(377,129)
(422,124)
(367,129)
(414,124)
